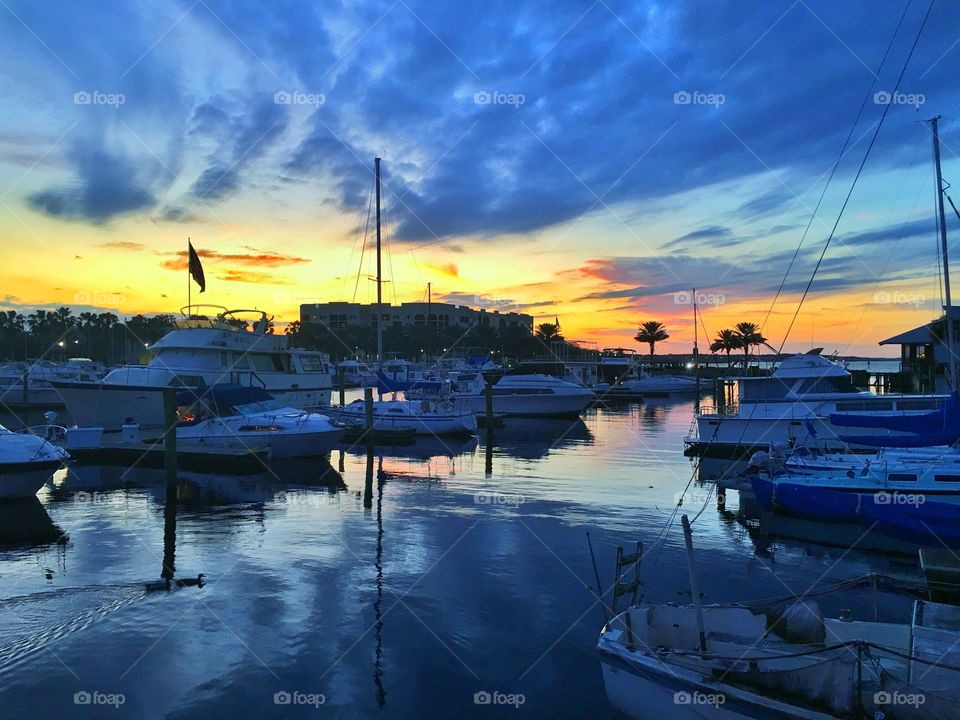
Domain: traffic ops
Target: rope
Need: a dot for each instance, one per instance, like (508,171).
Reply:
(856,178)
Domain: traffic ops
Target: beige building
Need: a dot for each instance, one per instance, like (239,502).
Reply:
(345,314)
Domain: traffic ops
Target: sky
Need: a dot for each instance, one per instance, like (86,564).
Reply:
(589,161)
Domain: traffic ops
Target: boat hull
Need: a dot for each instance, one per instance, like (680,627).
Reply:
(533,405)
(110,406)
(24,479)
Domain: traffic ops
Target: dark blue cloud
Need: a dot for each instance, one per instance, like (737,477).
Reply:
(594,120)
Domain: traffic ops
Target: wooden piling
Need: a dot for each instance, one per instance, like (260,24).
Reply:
(488,422)
(368,408)
(342,385)
(170,435)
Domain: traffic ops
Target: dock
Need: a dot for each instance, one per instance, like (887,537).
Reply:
(941,568)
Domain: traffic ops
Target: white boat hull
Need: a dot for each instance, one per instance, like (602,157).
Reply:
(110,406)
(24,480)
(535,405)
(293,437)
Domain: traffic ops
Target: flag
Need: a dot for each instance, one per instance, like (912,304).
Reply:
(196,269)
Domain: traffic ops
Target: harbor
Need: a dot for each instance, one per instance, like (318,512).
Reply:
(413,360)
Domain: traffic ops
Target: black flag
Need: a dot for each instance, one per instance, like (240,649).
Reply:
(196,269)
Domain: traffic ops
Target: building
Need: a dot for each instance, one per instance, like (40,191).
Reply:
(924,354)
(344,314)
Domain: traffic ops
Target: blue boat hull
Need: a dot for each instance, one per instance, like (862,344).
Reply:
(931,522)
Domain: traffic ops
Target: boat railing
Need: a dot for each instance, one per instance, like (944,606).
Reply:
(726,410)
(51,433)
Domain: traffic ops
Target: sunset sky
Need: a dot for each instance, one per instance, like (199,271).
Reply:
(537,156)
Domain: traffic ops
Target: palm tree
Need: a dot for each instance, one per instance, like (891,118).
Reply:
(726,341)
(749,335)
(651,332)
(549,332)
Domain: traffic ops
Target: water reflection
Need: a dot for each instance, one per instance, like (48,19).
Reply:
(25,523)
(535,438)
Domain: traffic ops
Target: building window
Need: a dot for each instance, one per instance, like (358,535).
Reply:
(419,320)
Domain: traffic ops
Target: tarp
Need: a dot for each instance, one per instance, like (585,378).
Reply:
(938,427)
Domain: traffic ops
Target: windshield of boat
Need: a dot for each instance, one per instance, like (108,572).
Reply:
(258,406)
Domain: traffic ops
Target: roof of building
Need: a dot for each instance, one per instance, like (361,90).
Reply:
(922,335)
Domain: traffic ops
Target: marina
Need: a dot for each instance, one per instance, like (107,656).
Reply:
(590,361)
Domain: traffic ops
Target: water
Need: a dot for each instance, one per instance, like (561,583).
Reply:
(402,599)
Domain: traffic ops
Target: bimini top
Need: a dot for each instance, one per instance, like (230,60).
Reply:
(224,395)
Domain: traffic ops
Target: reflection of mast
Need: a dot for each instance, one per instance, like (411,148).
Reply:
(378,626)
(379,312)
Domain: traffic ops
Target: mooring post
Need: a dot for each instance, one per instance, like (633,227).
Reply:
(342,384)
(488,422)
(170,435)
(694,591)
(368,408)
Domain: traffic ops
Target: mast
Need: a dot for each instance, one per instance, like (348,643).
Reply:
(952,367)
(379,310)
(429,312)
(189,311)
(696,348)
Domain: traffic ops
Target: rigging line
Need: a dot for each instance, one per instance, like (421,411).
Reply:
(853,185)
(363,248)
(836,165)
(343,285)
(890,254)
(393,278)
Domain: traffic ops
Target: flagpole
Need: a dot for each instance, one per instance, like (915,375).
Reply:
(188,279)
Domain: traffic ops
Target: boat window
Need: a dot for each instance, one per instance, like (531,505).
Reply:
(312,363)
(947,478)
(190,381)
(901,477)
(258,406)
(262,362)
(280,362)
(395,410)
(917,404)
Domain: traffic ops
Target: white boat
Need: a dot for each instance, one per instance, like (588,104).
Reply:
(650,384)
(793,407)
(532,395)
(784,662)
(202,352)
(357,374)
(244,418)
(26,463)
(39,375)
(425,417)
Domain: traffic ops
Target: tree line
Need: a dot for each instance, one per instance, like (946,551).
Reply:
(742,336)
(59,334)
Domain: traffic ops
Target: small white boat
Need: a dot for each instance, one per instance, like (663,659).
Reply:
(651,385)
(787,662)
(425,417)
(244,418)
(533,395)
(26,463)
(357,374)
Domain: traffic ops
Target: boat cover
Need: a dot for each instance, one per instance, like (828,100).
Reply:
(937,427)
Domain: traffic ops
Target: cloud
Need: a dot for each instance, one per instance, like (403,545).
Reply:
(448,269)
(122,245)
(257,258)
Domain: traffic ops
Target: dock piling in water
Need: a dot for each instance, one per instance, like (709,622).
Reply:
(170,435)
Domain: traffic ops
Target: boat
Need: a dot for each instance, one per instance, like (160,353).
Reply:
(646,383)
(521,395)
(238,417)
(39,374)
(425,417)
(357,374)
(198,353)
(782,660)
(27,461)
(793,406)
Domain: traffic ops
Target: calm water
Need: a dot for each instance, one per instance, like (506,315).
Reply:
(401,598)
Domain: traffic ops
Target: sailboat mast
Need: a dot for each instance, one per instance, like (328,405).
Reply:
(952,367)
(429,313)
(379,310)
